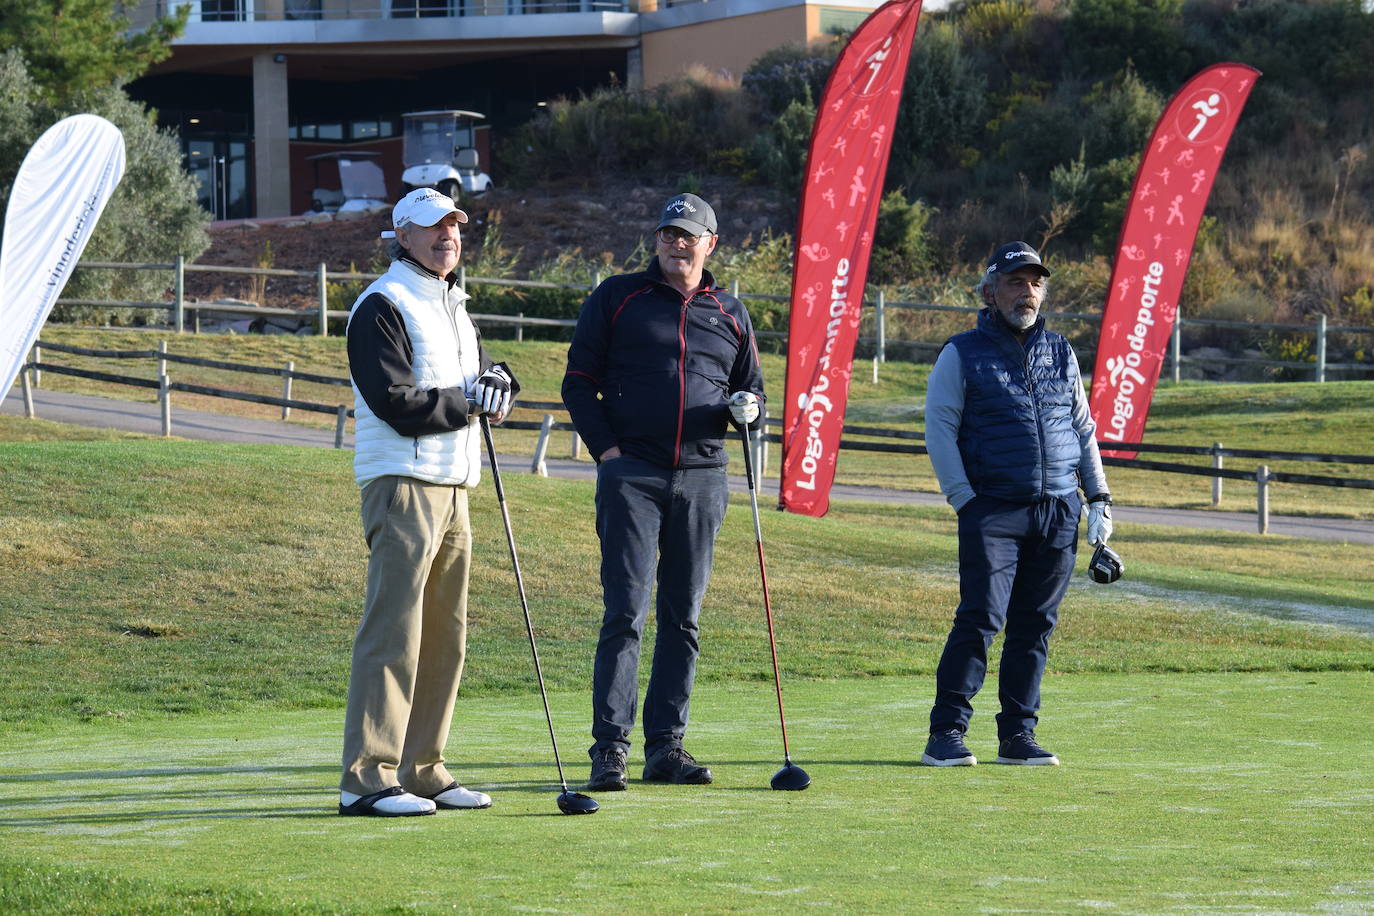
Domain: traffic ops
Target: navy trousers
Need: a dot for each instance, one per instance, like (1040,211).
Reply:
(657,526)
(1015,560)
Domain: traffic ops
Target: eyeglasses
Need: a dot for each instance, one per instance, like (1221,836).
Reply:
(671,235)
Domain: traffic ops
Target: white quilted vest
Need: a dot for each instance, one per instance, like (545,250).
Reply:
(446,356)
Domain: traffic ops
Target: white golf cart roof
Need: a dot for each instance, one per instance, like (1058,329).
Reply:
(448,111)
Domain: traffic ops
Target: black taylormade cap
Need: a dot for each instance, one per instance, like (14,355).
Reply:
(1014,256)
(689,212)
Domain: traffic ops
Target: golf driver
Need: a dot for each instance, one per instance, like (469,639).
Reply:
(569,802)
(790,778)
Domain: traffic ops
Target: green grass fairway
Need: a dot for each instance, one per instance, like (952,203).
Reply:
(175,623)
(1239,793)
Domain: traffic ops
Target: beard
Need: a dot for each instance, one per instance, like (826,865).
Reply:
(1020,317)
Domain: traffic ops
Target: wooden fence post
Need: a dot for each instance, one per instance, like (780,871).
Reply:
(541,448)
(161,358)
(339,426)
(28,394)
(1216,481)
(286,388)
(179,284)
(324,299)
(1262,497)
(880,323)
(1321,348)
(760,439)
(1175,348)
(164,396)
(37,357)
(519,327)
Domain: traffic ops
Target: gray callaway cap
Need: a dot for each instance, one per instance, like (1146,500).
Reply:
(689,212)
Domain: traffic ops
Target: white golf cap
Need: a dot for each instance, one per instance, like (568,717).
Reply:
(422,207)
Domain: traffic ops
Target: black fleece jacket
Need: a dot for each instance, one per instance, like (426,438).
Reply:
(649,371)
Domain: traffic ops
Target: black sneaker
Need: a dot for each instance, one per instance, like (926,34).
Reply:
(1022,748)
(947,749)
(608,770)
(675,765)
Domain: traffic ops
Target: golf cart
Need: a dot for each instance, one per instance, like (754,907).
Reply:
(362,184)
(441,152)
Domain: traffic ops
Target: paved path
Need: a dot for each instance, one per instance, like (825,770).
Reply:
(131,416)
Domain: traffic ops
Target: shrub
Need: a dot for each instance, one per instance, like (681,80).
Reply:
(153,214)
(779,153)
(902,245)
(789,73)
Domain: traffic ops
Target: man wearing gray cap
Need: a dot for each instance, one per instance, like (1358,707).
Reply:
(660,363)
(420,381)
(1011,440)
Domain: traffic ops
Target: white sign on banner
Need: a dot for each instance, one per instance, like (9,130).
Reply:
(61,190)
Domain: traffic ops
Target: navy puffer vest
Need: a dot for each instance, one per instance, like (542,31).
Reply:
(1017,439)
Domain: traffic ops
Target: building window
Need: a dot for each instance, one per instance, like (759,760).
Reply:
(410,9)
(303,9)
(225,10)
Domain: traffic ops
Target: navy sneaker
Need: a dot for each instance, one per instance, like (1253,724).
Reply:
(946,749)
(1022,748)
(608,771)
(675,765)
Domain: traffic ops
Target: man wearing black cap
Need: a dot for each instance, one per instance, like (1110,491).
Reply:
(1011,440)
(660,362)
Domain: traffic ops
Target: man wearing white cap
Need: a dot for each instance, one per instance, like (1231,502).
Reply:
(420,381)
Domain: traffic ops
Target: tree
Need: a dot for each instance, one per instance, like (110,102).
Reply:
(153,215)
(70,46)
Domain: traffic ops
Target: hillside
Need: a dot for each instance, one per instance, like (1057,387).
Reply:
(605,221)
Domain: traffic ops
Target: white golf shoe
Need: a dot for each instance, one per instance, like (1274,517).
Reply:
(455,797)
(392,802)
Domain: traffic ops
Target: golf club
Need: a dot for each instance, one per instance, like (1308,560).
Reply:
(569,802)
(791,777)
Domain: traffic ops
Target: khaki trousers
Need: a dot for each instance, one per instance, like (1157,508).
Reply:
(408,653)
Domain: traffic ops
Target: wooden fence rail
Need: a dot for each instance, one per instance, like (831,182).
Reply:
(30,373)
(877,301)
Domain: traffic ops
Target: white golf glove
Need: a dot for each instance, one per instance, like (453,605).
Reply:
(744,407)
(1099,522)
(492,392)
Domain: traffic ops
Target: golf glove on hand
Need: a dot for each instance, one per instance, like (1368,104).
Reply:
(492,393)
(1099,522)
(744,407)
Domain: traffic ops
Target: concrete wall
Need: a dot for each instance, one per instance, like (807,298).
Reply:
(719,44)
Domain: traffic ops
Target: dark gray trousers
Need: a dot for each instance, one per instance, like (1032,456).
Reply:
(657,526)
(1015,561)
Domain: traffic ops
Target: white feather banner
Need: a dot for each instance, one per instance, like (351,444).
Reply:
(61,190)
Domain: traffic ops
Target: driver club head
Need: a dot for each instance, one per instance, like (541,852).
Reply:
(791,778)
(576,803)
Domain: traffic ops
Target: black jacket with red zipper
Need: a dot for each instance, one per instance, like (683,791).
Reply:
(650,372)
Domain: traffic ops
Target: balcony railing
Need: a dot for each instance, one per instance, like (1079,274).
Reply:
(317,10)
